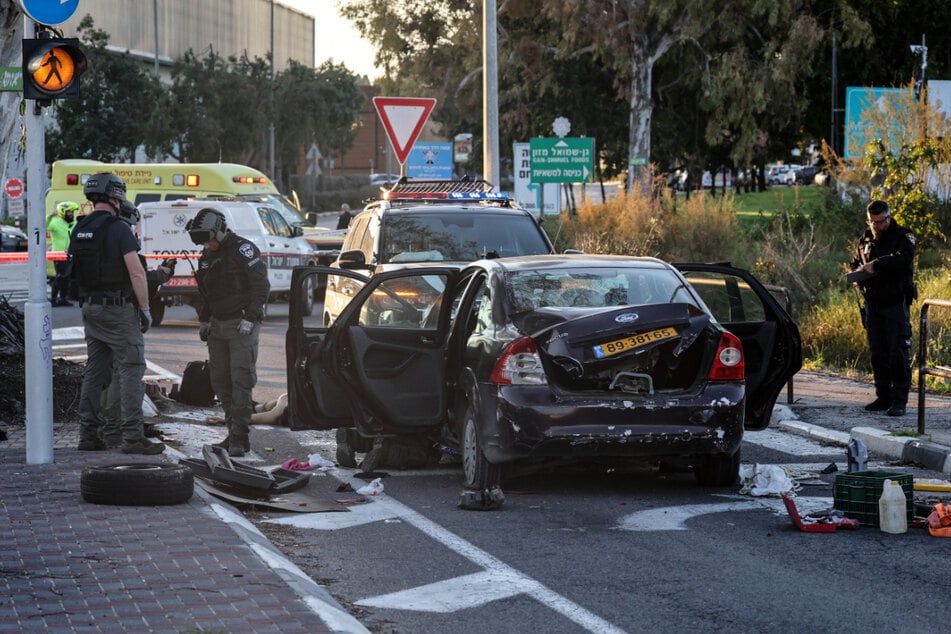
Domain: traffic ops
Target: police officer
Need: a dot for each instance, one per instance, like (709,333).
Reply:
(232,281)
(59,225)
(886,254)
(104,262)
(111,430)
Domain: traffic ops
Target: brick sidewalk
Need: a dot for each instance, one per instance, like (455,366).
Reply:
(70,566)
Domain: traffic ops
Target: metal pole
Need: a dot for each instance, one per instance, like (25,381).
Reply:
(271,144)
(155,19)
(490,93)
(38,331)
(832,136)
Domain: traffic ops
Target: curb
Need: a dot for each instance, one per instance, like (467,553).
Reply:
(317,598)
(926,453)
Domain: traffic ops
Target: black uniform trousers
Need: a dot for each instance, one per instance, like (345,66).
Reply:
(889,342)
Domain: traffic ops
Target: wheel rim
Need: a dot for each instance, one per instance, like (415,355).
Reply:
(469,451)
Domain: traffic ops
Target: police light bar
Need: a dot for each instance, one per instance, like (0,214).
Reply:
(396,195)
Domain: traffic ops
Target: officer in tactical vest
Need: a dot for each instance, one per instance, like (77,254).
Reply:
(883,262)
(111,431)
(232,281)
(113,293)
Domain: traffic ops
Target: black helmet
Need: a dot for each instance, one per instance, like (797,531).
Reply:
(208,224)
(102,187)
(129,213)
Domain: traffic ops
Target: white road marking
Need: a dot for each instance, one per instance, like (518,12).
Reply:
(452,595)
(675,518)
(445,593)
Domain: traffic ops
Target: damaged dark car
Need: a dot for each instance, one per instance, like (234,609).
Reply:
(555,356)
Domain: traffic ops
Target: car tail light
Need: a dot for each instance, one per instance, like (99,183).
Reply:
(519,364)
(728,365)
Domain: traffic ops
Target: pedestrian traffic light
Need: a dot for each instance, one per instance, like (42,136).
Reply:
(51,68)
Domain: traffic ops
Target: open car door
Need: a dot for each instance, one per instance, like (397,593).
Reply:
(771,343)
(381,364)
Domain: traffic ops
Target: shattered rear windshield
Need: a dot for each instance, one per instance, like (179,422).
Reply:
(596,287)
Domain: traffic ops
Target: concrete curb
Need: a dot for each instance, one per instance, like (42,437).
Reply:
(317,598)
(929,454)
(906,449)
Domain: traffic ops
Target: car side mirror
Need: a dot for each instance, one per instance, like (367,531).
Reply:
(352,259)
(311,217)
(297,231)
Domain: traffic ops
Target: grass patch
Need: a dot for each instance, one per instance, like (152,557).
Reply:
(778,198)
(906,433)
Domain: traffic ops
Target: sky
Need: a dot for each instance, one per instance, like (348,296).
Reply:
(335,38)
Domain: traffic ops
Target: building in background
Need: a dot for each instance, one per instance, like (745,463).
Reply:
(229,27)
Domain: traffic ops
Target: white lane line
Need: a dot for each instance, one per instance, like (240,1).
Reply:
(790,443)
(451,595)
(516,581)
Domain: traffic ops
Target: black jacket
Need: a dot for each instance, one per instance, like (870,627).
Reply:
(232,281)
(893,257)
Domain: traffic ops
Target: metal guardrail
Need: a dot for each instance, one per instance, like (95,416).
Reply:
(923,367)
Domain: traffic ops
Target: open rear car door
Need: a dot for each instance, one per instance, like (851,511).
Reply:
(771,343)
(381,365)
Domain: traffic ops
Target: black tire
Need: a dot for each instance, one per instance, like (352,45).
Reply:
(345,452)
(718,470)
(137,484)
(157,308)
(477,472)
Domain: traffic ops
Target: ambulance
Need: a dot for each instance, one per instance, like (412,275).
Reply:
(160,182)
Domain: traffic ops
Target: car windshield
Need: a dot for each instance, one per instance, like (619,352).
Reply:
(459,236)
(596,286)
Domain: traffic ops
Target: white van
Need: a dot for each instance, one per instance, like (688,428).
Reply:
(162,235)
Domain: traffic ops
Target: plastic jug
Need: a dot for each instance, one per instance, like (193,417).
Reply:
(893,508)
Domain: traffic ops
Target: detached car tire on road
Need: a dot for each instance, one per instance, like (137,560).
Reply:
(137,484)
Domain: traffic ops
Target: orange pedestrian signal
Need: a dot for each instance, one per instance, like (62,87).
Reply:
(51,68)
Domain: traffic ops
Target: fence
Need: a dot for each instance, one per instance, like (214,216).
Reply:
(923,367)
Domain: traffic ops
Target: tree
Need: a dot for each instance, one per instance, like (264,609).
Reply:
(115,111)
(12,136)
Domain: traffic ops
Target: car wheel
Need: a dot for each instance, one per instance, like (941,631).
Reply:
(157,308)
(477,471)
(718,470)
(137,484)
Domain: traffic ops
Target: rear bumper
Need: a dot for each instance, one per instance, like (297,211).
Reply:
(528,422)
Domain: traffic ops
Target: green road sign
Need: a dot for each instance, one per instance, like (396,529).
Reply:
(565,160)
(11,79)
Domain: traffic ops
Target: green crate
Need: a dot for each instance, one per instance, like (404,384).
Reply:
(857,494)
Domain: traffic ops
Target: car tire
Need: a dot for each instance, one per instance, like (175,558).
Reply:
(718,470)
(157,308)
(137,484)
(477,472)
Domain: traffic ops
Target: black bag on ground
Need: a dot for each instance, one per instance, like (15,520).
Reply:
(196,385)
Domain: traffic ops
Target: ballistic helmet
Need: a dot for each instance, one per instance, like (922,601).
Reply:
(102,187)
(65,208)
(129,213)
(208,224)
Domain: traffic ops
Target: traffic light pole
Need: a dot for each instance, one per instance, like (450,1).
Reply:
(38,335)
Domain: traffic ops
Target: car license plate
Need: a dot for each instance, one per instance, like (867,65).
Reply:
(634,341)
(181,281)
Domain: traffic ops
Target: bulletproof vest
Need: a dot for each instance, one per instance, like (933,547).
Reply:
(88,263)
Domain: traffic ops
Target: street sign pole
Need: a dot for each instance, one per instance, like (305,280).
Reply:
(38,333)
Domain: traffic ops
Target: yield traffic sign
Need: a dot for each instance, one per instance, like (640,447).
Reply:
(13,187)
(403,119)
(562,160)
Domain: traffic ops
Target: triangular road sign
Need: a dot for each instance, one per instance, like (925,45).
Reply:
(403,119)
